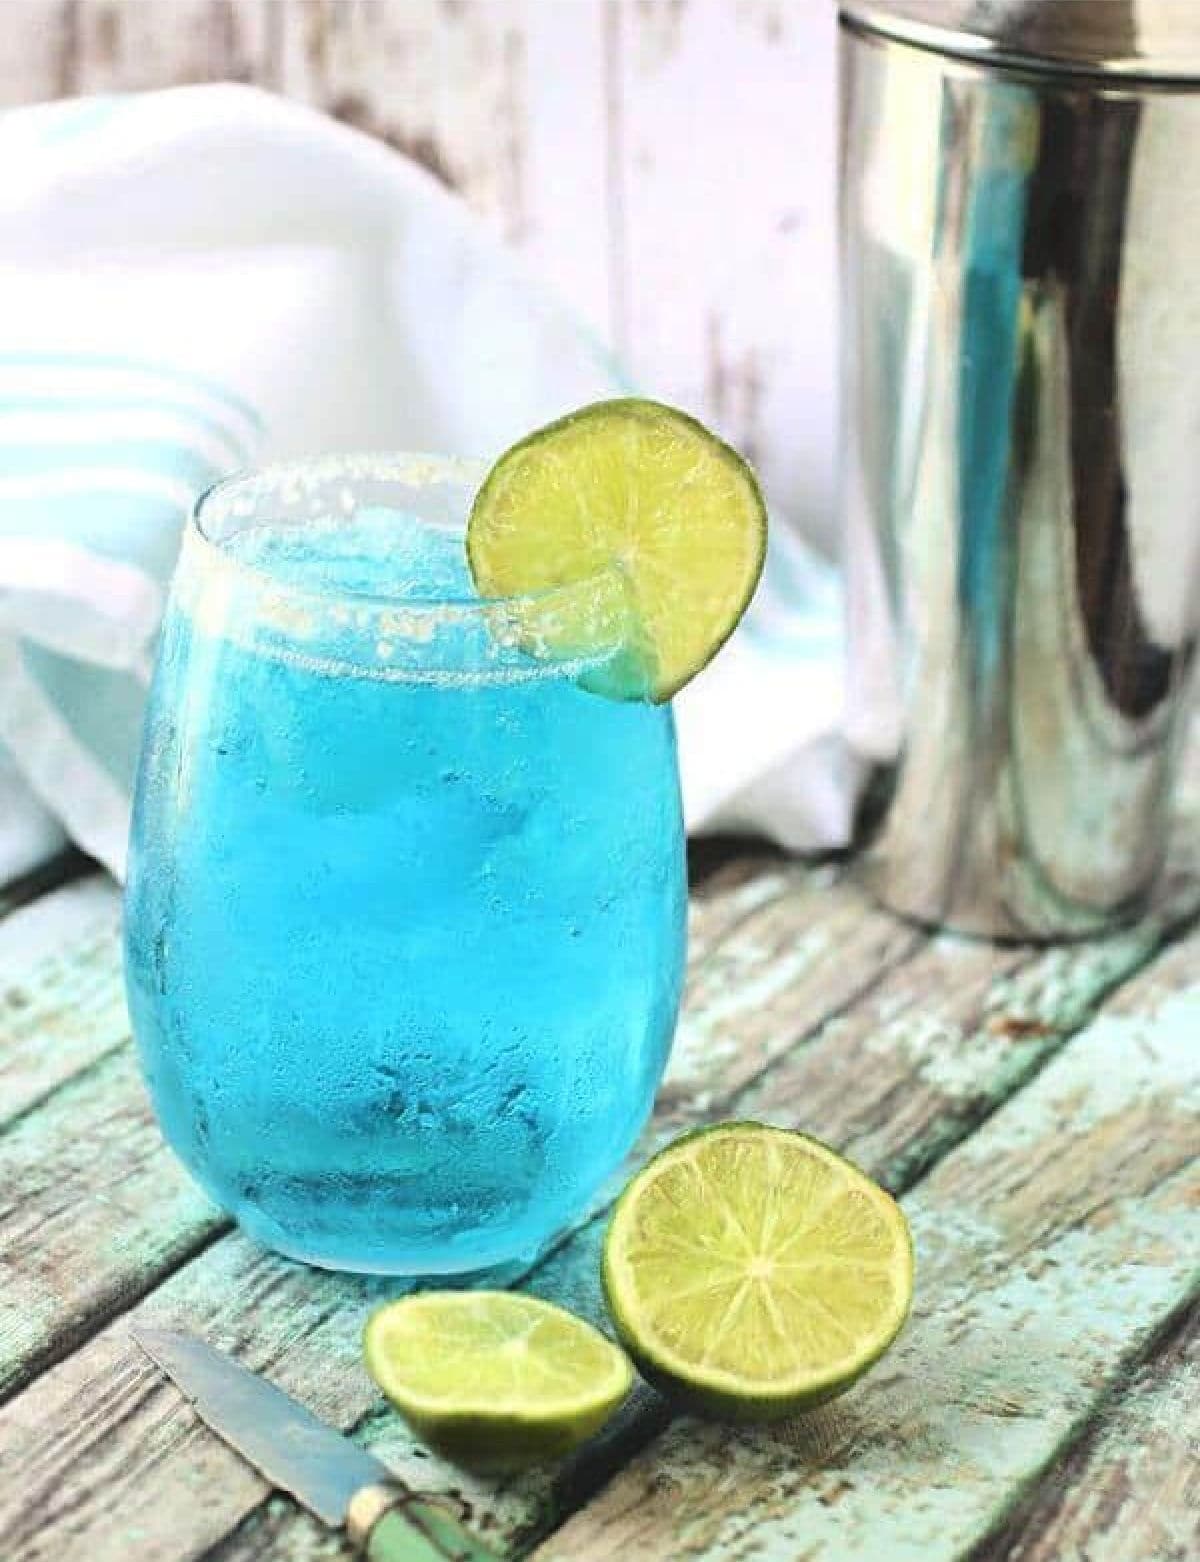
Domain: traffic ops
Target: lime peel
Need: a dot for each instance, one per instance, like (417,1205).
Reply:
(641,487)
(495,1379)
(752,1272)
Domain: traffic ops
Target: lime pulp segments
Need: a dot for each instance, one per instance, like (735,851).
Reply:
(640,486)
(492,1378)
(752,1272)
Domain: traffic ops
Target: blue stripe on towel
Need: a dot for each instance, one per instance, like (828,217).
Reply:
(108,363)
(140,529)
(155,457)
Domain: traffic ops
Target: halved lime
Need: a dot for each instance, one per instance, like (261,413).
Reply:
(637,484)
(493,1379)
(752,1272)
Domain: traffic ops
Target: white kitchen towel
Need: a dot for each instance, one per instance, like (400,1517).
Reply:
(207,277)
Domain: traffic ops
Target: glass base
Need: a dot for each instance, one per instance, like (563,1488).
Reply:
(497,1275)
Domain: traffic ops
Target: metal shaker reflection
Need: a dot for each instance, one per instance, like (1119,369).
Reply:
(1021,481)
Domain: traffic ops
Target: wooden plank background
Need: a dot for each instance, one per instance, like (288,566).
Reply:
(667,166)
(1036,1108)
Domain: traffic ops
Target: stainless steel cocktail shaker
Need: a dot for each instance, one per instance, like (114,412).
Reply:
(1021,447)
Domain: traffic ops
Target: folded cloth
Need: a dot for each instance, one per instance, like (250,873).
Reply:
(199,279)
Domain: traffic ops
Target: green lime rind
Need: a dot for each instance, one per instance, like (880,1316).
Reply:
(492,1379)
(641,486)
(842,1284)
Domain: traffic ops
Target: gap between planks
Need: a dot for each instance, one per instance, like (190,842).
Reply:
(1052,1247)
(1023,1021)
(749,931)
(1131,1487)
(86,1152)
(958,1041)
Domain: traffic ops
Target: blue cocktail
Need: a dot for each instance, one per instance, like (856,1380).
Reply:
(406,901)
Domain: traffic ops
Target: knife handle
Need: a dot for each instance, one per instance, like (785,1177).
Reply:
(389,1524)
(422,1532)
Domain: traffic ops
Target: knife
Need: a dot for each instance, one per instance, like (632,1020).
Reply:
(334,1478)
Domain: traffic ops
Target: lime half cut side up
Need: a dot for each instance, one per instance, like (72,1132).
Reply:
(641,486)
(493,1379)
(752,1272)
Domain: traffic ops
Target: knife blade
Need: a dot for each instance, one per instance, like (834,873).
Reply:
(336,1480)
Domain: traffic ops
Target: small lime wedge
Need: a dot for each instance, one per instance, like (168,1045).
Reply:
(642,486)
(493,1379)
(752,1272)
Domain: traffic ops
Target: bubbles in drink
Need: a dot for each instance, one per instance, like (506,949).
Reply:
(401,964)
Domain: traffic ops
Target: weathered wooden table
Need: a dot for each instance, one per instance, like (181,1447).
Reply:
(1037,1110)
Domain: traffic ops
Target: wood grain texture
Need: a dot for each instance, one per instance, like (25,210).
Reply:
(62,1005)
(1052,1246)
(502,100)
(444,84)
(98,1211)
(724,162)
(93,1207)
(1132,1488)
(94,1210)
(665,167)
(84,1436)
(645,156)
(39,50)
(115,46)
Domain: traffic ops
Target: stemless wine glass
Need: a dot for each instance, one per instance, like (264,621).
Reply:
(406,900)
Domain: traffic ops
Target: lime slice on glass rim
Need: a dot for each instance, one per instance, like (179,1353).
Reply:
(494,1379)
(752,1272)
(640,485)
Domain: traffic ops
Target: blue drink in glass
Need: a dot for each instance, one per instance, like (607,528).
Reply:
(406,900)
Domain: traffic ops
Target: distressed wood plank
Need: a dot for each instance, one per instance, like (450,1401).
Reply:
(754,995)
(1132,1488)
(62,1005)
(667,168)
(444,84)
(260,1295)
(304,1326)
(567,229)
(70,1013)
(501,100)
(957,1027)
(93,1211)
(119,46)
(90,1158)
(1051,1245)
(725,161)
(39,43)
(760,913)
